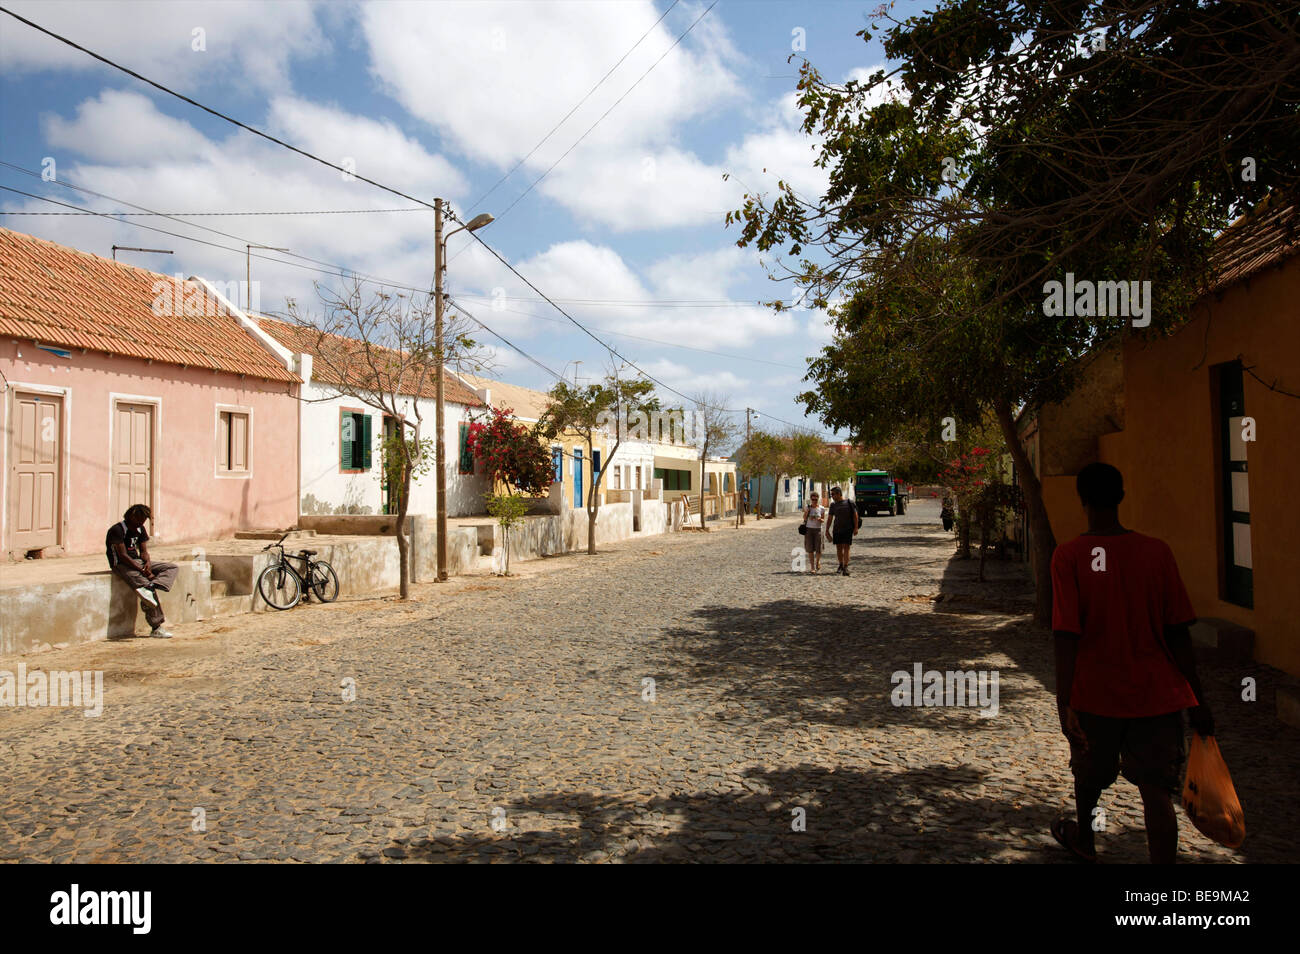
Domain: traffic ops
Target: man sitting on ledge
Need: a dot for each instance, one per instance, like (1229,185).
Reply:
(128,555)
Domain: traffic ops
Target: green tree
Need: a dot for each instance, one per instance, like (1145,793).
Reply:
(1003,152)
(382,350)
(760,455)
(592,410)
(509,509)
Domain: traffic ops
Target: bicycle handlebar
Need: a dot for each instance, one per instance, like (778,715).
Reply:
(276,543)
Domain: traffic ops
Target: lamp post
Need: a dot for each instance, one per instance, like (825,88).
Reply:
(248,271)
(440,454)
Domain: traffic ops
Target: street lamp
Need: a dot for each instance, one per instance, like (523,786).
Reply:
(440,453)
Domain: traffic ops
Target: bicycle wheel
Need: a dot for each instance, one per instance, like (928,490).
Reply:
(323,582)
(279,587)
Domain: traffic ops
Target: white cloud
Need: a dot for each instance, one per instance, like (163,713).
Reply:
(517,69)
(189,172)
(247,42)
(119,126)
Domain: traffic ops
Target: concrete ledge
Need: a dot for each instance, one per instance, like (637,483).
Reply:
(99,606)
(1232,641)
(361,525)
(1288,706)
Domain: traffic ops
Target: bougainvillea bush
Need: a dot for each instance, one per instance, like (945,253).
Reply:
(511,453)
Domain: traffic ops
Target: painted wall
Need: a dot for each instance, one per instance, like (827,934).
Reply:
(328,489)
(1168,452)
(190,502)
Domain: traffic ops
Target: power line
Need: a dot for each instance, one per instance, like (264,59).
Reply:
(340,270)
(400,285)
(554,128)
(208,109)
(658,341)
(241,214)
(476,320)
(611,108)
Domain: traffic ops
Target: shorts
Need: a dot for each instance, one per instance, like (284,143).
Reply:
(1147,751)
(842,537)
(812,540)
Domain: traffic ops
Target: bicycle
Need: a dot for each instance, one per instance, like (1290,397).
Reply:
(281,585)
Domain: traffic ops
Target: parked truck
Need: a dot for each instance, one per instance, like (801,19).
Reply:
(875,491)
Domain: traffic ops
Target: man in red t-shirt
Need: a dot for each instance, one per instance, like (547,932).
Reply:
(1125,670)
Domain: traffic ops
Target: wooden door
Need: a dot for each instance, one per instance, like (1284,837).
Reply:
(132,473)
(36,471)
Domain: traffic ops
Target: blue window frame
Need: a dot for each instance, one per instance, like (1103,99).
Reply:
(557,458)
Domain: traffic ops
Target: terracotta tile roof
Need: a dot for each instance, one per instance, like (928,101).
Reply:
(1253,243)
(304,340)
(527,404)
(58,295)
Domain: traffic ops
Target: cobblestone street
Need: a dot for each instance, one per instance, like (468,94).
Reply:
(510,719)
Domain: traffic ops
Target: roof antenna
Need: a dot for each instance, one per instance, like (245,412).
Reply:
(132,248)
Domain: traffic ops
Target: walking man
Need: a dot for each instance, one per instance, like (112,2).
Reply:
(128,555)
(842,523)
(1124,668)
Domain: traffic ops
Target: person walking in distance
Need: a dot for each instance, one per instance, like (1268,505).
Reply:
(813,515)
(842,523)
(1124,667)
(128,556)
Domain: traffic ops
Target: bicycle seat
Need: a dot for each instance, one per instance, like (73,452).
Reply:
(307,552)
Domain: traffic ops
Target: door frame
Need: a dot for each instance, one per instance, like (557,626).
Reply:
(65,498)
(579,491)
(155,465)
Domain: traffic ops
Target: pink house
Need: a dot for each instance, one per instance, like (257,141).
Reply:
(120,385)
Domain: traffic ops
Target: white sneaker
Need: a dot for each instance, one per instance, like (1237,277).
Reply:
(147,595)
(160,633)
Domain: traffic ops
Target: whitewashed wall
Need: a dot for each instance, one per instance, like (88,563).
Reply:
(326,489)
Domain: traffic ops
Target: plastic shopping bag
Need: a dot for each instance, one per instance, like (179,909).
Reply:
(1208,796)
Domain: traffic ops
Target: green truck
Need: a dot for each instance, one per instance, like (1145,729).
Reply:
(875,491)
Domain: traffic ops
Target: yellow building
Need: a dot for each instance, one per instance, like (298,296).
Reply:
(1203,426)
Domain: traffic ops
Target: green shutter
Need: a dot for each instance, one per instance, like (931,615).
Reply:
(366,441)
(686,480)
(466,458)
(347,426)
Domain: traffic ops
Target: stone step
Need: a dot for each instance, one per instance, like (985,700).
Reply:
(219,588)
(272,534)
(231,605)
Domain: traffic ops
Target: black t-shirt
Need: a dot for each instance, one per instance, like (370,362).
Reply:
(841,511)
(120,532)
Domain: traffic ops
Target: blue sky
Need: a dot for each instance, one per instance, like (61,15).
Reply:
(442,99)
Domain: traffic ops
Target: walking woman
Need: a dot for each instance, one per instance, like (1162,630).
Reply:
(813,515)
(842,524)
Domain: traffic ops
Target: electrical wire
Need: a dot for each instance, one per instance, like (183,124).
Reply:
(611,108)
(210,110)
(556,127)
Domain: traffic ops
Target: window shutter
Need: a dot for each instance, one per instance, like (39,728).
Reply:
(595,466)
(347,433)
(223,441)
(366,442)
(239,442)
(557,458)
(466,458)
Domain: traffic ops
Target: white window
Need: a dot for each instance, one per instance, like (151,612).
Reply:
(232,442)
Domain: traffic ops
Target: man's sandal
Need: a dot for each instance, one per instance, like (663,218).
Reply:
(1066,831)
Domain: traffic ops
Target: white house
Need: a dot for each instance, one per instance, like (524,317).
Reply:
(341,440)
